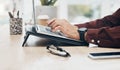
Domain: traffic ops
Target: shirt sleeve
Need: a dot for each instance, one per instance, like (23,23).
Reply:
(104,32)
(104,37)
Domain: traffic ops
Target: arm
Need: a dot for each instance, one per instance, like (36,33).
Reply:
(104,32)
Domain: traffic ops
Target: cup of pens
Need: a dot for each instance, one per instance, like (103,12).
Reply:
(15,24)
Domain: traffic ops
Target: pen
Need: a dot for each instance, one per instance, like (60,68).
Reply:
(10,15)
(18,14)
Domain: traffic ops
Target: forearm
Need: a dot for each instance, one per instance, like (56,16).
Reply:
(98,23)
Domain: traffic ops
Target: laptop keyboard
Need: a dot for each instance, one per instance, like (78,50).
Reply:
(48,30)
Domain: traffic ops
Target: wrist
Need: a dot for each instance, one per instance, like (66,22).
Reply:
(85,35)
(82,33)
(76,28)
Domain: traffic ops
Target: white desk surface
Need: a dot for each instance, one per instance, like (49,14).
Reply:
(15,57)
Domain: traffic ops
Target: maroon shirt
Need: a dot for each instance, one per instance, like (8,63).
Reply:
(104,32)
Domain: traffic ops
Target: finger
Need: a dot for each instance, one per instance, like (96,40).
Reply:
(61,29)
(54,25)
(51,21)
(56,28)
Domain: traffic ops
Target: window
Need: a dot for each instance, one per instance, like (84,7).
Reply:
(82,13)
(79,11)
(76,11)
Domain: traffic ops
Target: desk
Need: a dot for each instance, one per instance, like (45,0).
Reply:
(15,57)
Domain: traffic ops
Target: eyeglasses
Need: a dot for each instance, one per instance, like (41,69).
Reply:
(58,51)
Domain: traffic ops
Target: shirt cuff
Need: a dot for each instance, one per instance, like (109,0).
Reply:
(92,36)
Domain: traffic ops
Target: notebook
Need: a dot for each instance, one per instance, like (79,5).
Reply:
(46,32)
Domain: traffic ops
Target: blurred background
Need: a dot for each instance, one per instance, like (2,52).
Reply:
(75,11)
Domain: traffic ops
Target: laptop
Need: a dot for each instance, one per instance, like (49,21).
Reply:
(46,32)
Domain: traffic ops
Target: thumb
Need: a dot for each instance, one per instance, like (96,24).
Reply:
(60,29)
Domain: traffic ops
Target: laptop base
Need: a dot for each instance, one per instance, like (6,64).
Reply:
(57,40)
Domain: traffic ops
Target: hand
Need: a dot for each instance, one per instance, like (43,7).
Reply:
(65,27)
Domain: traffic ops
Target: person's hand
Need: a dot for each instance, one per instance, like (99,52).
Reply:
(65,27)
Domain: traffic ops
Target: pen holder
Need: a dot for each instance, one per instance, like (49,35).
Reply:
(15,26)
